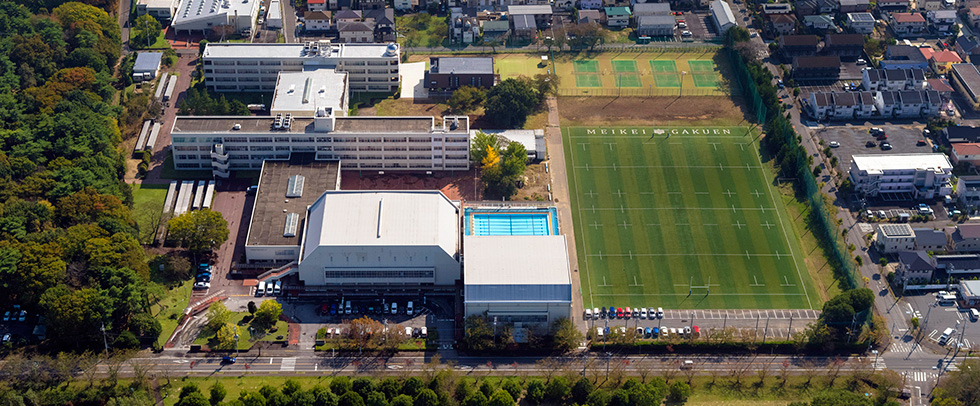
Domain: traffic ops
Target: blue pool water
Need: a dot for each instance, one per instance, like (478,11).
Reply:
(511,221)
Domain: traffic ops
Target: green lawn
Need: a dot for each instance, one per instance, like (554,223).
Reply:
(170,307)
(245,339)
(422,30)
(148,202)
(688,221)
(159,43)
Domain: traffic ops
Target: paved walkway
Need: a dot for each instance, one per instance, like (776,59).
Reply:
(413,75)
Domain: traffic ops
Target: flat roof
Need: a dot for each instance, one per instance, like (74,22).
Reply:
(351,125)
(532,9)
(272,206)
(971,288)
(260,50)
(901,161)
(194,10)
(896,230)
(383,218)
(462,65)
(327,88)
(651,9)
(516,269)
(147,61)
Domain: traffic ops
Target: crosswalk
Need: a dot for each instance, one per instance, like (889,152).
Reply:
(922,376)
(910,347)
(288,364)
(880,364)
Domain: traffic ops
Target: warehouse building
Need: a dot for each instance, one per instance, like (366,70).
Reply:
(225,144)
(255,67)
(722,16)
(202,16)
(380,240)
(524,281)
(278,218)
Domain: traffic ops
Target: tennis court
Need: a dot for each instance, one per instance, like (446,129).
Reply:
(663,66)
(589,66)
(667,79)
(701,65)
(588,80)
(709,79)
(624,66)
(628,81)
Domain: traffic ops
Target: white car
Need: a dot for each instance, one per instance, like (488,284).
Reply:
(660,312)
(834,144)
(202,285)
(682,25)
(643,312)
(686,33)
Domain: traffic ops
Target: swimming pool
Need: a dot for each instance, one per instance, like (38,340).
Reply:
(524,221)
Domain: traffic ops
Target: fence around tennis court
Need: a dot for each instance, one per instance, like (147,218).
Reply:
(641,92)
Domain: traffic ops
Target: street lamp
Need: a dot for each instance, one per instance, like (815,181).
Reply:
(236,342)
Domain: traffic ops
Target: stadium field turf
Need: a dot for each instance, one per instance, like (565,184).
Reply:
(682,218)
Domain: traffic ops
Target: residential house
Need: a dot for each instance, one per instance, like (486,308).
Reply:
(371,4)
(966,80)
(384,23)
(908,24)
(904,57)
(908,103)
(782,24)
(652,9)
(893,5)
(861,23)
(589,4)
(798,45)
(770,9)
(930,240)
(617,17)
(942,20)
(854,6)
(973,15)
(915,266)
(357,32)
(523,25)
(819,23)
(589,17)
(960,133)
(722,16)
(655,26)
(841,105)
(919,176)
(465,30)
(941,62)
(967,47)
(316,5)
(406,5)
(892,79)
(942,86)
(968,191)
(449,73)
(317,20)
(931,5)
(846,46)
(347,16)
(815,7)
(894,238)
(965,238)
(495,30)
(968,152)
(816,67)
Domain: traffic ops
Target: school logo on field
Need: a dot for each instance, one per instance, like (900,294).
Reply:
(659,131)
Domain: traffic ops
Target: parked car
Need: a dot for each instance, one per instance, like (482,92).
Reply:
(602,312)
(643,312)
(202,285)
(588,314)
(660,312)
(636,312)
(23,316)
(686,33)
(639,331)
(871,144)
(834,144)
(628,312)
(648,332)
(886,146)
(920,143)
(6,316)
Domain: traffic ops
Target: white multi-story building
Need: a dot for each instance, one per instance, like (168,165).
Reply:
(908,103)
(245,67)
(892,238)
(161,9)
(861,23)
(917,176)
(893,79)
(224,144)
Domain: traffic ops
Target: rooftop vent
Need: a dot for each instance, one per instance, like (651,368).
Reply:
(236,127)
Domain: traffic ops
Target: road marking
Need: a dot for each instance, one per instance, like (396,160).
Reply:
(288,364)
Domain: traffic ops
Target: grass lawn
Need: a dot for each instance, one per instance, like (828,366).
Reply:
(595,73)
(686,221)
(422,30)
(170,307)
(159,43)
(514,65)
(245,339)
(148,207)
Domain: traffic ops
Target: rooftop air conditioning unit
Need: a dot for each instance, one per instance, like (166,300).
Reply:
(236,127)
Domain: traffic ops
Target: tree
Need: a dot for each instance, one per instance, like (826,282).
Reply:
(126,340)
(376,398)
(479,334)
(218,393)
(225,337)
(340,385)
(566,336)
(513,387)
(558,390)
(401,400)
(350,398)
(173,268)
(501,398)
(193,399)
(509,103)
(535,391)
(252,308)
(218,315)
(268,314)
(412,386)
(465,99)
(581,390)
(145,31)
(198,230)
(679,392)
(426,397)
(475,399)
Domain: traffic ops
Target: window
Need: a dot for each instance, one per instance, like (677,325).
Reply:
(377,273)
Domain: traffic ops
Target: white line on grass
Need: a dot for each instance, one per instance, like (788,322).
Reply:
(617,167)
(713,294)
(729,193)
(594,209)
(602,255)
(772,197)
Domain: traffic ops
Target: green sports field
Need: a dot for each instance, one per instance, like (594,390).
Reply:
(683,218)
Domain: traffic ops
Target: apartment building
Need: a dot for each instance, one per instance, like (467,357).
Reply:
(841,105)
(908,103)
(798,45)
(225,144)
(904,57)
(861,23)
(968,191)
(916,176)
(892,238)
(965,79)
(893,79)
(244,67)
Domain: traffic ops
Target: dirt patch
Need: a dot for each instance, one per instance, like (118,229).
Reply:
(456,185)
(598,111)
(535,184)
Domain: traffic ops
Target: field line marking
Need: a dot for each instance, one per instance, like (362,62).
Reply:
(588,268)
(617,167)
(606,254)
(772,197)
(623,208)
(713,294)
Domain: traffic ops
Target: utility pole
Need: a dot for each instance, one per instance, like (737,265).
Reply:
(789,331)
(105,342)
(765,332)
(236,342)
(691,326)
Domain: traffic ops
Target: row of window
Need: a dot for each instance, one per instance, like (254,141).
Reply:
(377,274)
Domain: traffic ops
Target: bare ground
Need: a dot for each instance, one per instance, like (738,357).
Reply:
(632,111)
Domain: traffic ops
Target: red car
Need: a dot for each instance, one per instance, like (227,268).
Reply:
(619,312)
(678,13)
(882,136)
(628,312)
(697,331)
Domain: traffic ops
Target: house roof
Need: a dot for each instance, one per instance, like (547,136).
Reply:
(968,44)
(777,8)
(800,40)
(961,133)
(970,148)
(906,18)
(855,2)
(968,231)
(895,230)
(585,16)
(381,16)
(861,17)
(348,14)
(904,53)
(946,56)
(316,15)
(355,26)
(939,85)
(929,237)
(968,75)
(782,19)
(722,13)
(461,65)
(316,1)
(655,21)
(916,260)
(975,10)
(617,11)
(533,9)
(816,61)
(844,40)
(820,19)
(524,22)
(641,9)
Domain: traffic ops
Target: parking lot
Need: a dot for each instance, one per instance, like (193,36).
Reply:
(934,319)
(854,140)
